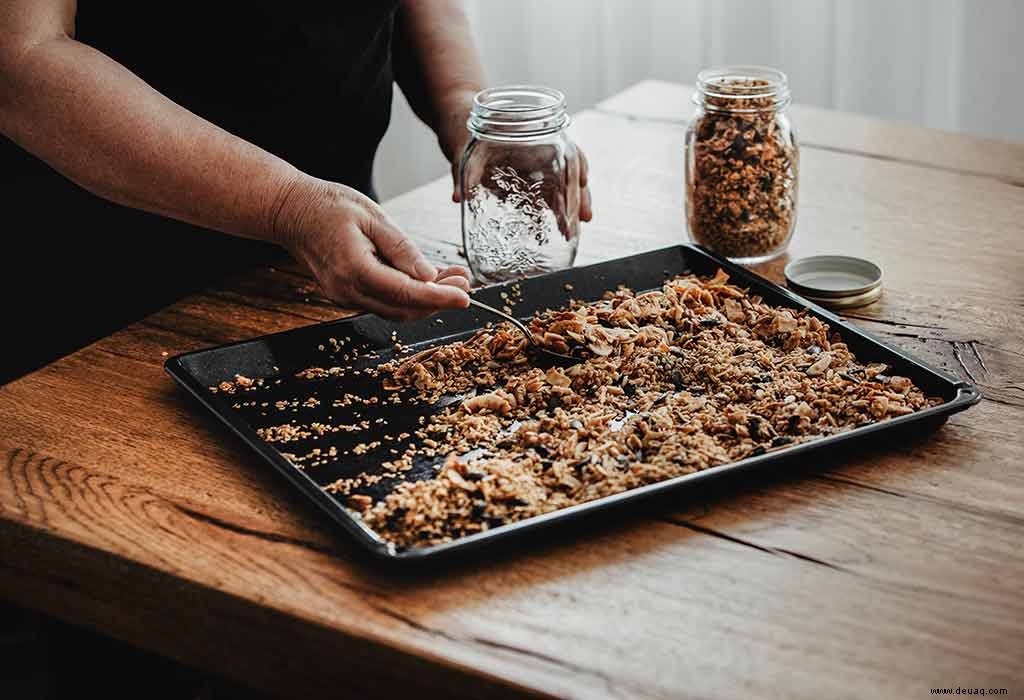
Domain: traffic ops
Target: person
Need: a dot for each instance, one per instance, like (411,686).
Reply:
(259,120)
(148,148)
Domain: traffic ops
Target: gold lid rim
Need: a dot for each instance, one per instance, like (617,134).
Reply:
(848,302)
(791,273)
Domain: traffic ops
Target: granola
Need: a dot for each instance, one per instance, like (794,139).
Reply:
(742,172)
(697,374)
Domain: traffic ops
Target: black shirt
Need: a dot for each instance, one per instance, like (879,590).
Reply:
(310,82)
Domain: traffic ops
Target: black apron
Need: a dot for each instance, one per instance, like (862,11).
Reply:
(310,82)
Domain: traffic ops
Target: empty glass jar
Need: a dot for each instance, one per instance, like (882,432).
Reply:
(742,164)
(519,184)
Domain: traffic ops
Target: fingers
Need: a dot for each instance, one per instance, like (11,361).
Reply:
(362,260)
(395,312)
(397,248)
(586,205)
(455,275)
(558,206)
(455,183)
(396,289)
(473,174)
(458,282)
(452,270)
(457,279)
(586,210)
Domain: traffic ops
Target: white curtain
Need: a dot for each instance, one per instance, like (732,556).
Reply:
(951,64)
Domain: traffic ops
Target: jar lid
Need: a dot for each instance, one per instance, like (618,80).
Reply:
(838,281)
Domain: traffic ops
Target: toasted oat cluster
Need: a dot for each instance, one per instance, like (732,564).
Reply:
(696,374)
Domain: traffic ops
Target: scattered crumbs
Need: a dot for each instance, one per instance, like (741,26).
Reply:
(282,433)
(360,502)
(241,383)
(364,447)
(673,381)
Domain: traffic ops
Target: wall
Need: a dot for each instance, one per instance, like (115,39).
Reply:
(950,64)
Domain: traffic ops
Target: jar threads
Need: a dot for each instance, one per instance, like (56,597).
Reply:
(514,112)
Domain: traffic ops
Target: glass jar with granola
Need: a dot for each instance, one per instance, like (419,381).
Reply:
(519,184)
(742,164)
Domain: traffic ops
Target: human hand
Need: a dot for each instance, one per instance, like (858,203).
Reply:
(360,259)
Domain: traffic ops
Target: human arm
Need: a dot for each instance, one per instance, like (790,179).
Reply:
(104,128)
(439,70)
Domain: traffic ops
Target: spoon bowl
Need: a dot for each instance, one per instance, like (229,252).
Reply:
(546,357)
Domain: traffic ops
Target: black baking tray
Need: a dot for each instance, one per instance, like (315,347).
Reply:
(281,355)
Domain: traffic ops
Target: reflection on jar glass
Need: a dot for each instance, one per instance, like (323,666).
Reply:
(742,164)
(519,185)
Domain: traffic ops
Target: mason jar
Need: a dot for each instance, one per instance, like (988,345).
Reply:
(742,164)
(519,184)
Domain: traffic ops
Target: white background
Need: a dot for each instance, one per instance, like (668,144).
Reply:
(951,64)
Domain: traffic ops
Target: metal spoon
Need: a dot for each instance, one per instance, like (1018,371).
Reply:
(556,358)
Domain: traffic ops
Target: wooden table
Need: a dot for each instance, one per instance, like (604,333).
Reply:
(881,574)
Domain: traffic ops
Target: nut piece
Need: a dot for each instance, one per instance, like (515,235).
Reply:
(820,365)
(488,403)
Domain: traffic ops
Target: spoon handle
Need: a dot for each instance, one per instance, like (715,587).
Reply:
(511,319)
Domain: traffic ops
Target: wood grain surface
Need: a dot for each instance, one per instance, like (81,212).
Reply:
(877,573)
